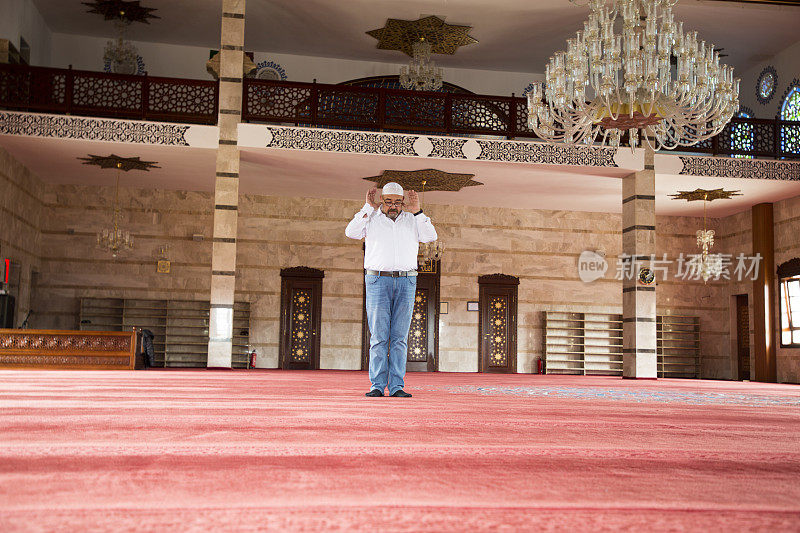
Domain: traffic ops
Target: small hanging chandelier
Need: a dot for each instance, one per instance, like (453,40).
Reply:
(611,82)
(114,239)
(431,251)
(421,74)
(121,56)
(708,265)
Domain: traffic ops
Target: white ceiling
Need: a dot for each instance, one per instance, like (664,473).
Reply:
(513,35)
(339,175)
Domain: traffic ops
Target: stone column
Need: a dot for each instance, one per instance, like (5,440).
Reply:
(639,301)
(226,188)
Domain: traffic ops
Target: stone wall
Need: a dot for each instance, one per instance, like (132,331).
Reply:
(20,225)
(72,266)
(540,247)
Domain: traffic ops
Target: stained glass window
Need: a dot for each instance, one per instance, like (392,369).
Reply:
(790,134)
(742,137)
(767,86)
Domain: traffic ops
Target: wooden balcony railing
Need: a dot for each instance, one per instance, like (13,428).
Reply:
(80,92)
(377,108)
(374,108)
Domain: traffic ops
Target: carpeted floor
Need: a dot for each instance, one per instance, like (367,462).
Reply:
(286,451)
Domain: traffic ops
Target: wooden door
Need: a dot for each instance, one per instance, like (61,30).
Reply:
(423,335)
(743,336)
(301,314)
(497,328)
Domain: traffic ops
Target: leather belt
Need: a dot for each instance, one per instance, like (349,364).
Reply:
(392,273)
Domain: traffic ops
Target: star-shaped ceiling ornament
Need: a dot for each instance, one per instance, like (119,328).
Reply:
(435,180)
(122,163)
(402,34)
(705,194)
(126,11)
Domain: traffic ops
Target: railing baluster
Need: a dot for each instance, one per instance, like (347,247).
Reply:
(448,112)
(512,118)
(314,103)
(69,90)
(145,96)
(381,109)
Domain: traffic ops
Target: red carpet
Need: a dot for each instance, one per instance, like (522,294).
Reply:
(287,451)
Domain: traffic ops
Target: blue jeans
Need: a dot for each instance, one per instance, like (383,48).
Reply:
(390,303)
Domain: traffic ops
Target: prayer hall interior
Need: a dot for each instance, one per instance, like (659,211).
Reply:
(605,332)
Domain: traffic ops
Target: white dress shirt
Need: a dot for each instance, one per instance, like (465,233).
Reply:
(390,245)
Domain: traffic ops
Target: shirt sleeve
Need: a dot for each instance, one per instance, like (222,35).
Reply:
(357,228)
(425,230)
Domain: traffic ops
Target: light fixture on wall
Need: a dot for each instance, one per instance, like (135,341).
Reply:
(708,265)
(113,238)
(418,39)
(611,82)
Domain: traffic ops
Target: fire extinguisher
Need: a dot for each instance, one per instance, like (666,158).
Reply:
(253,358)
(540,366)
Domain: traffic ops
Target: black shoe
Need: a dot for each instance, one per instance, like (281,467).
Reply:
(401,394)
(374,393)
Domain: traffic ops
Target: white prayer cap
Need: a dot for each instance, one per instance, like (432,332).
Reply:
(392,188)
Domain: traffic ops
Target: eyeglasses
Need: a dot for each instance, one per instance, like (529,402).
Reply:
(389,203)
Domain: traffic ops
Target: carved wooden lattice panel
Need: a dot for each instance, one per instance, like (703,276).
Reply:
(300,326)
(277,101)
(342,106)
(418,333)
(498,331)
(100,343)
(107,93)
(743,335)
(182,97)
(482,114)
(412,110)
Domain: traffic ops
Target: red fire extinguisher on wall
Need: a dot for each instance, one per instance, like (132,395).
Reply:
(253,358)
(540,366)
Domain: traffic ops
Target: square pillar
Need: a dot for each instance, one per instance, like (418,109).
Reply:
(226,186)
(639,301)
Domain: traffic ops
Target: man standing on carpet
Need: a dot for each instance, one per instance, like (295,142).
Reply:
(392,230)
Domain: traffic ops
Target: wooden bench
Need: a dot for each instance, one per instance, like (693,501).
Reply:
(69,350)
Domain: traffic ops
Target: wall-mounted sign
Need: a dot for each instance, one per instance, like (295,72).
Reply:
(472,306)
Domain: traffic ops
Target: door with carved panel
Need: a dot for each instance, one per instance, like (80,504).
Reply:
(423,335)
(743,335)
(301,314)
(497,328)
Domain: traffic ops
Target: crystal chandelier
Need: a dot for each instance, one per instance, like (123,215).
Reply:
(114,239)
(617,77)
(709,264)
(421,73)
(431,251)
(120,54)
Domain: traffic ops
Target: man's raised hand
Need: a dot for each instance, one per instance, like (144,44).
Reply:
(371,198)
(412,202)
